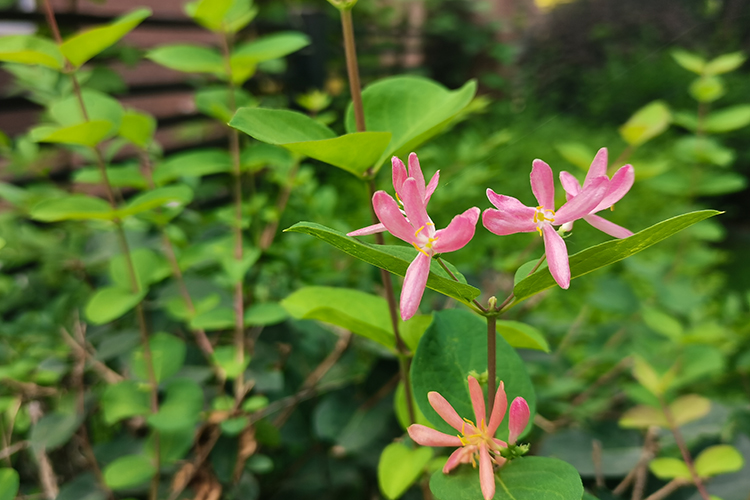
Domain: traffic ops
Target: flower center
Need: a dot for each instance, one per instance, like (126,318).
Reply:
(476,436)
(542,216)
(426,239)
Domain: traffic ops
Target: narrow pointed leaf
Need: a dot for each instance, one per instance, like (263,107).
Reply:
(28,49)
(189,59)
(138,128)
(170,195)
(84,134)
(74,207)
(522,336)
(728,119)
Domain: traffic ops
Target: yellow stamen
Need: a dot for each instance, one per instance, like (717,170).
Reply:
(612,208)
(418,231)
(539,229)
(421,250)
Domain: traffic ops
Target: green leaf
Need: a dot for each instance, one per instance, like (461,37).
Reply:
(75,207)
(402,412)
(124,400)
(399,467)
(453,347)
(128,471)
(648,377)
(84,134)
(725,63)
(689,408)
(215,319)
(109,303)
(148,266)
(643,417)
(576,153)
(359,312)
(82,46)
(159,197)
(227,360)
(28,49)
(607,253)
(138,128)
(669,468)
(167,357)
(704,150)
(389,258)
(181,408)
(646,123)
(209,13)
(173,445)
(215,102)
(9,483)
(528,478)
(269,313)
(189,59)
(689,61)
(522,336)
(98,106)
(707,89)
(718,459)
(53,430)
(120,176)
(246,57)
(196,163)
(662,323)
(412,109)
(727,119)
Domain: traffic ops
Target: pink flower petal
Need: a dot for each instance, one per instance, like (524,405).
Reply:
(399,174)
(477,401)
(375,228)
(608,227)
(445,410)
(425,436)
(431,187)
(543,184)
(460,456)
(415,171)
(570,184)
(486,473)
(458,233)
(598,167)
(518,419)
(557,256)
(619,186)
(414,204)
(584,203)
(414,283)
(511,215)
(391,217)
(501,444)
(498,410)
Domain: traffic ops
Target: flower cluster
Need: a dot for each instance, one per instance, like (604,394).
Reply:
(476,442)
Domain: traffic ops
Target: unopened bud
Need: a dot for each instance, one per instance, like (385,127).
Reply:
(492,303)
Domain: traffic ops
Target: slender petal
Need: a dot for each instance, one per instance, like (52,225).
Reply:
(619,186)
(486,473)
(608,227)
(570,184)
(414,204)
(477,401)
(460,456)
(445,410)
(584,203)
(414,283)
(415,171)
(375,228)
(511,215)
(543,184)
(425,436)
(598,167)
(391,217)
(458,233)
(498,410)
(518,419)
(431,187)
(557,256)
(399,174)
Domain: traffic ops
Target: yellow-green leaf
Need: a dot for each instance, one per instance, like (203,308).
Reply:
(648,122)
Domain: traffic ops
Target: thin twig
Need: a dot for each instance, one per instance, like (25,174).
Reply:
(14,448)
(108,374)
(648,452)
(668,489)
(47,476)
(596,457)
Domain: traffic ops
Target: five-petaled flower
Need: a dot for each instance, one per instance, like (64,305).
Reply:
(414,226)
(512,216)
(619,185)
(476,442)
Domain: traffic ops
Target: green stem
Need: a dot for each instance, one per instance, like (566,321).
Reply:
(352,67)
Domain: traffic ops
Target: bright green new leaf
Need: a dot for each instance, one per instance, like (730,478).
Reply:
(725,63)
(98,106)
(84,134)
(399,467)
(718,459)
(649,378)
(354,153)
(167,357)
(181,409)
(454,347)
(269,313)
(221,318)
(73,207)
(412,109)
(576,153)
(527,478)
(149,268)
(246,57)
(196,163)
(669,468)
(109,303)
(124,400)
(128,471)
(9,483)
(170,196)
(120,176)
(217,102)
(707,89)
(189,59)
(28,49)
(727,119)
(610,252)
(82,46)
(226,359)
(689,61)
(646,123)
(209,13)
(390,258)
(138,128)
(522,336)
(359,312)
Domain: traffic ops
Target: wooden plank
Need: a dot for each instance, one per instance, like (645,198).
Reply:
(162,9)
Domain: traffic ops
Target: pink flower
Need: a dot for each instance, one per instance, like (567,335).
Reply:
(399,177)
(476,442)
(619,185)
(512,216)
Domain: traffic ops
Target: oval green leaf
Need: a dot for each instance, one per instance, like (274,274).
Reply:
(128,471)
(728,119)
(9,483)
(75,207)
(28,49)
(108,304)
(399,467)
(725,63)
(189,59)
(522,336)
(167,357)
(196,163)
(719,459)
(668,468)
(181,409)
(124,400)
(689,61)
(159,197)
(84,134)
(646,123)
